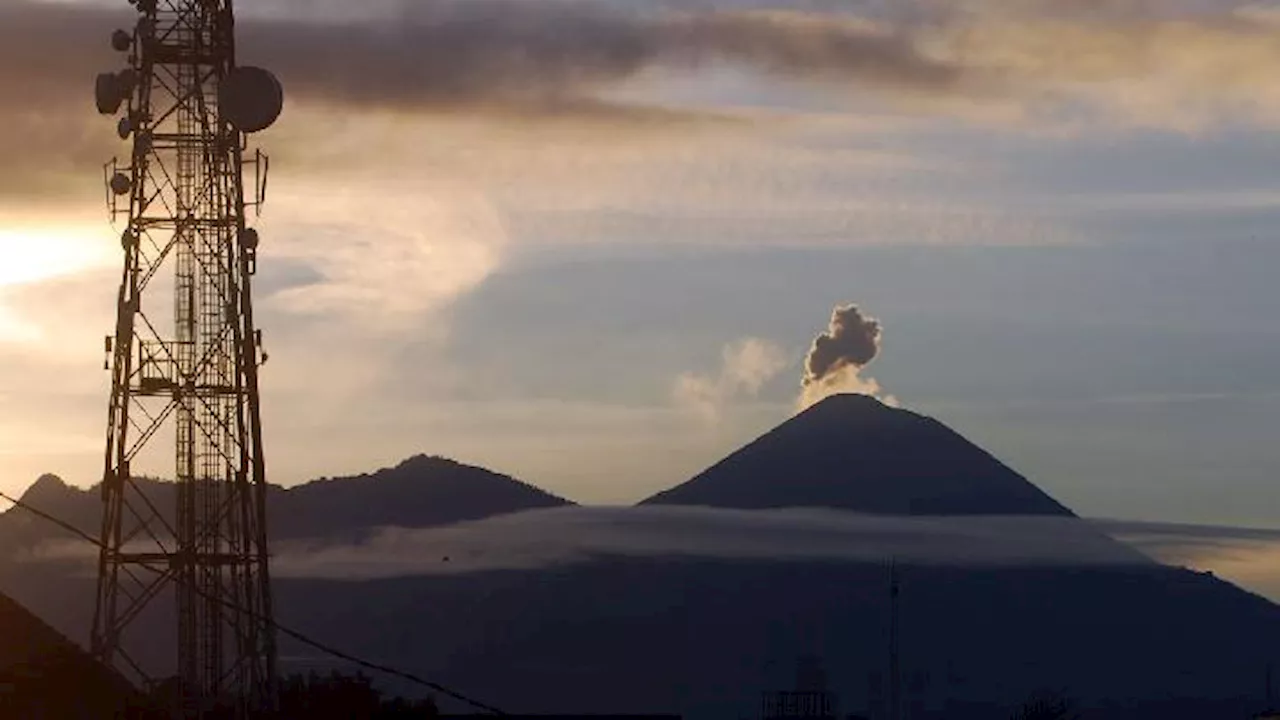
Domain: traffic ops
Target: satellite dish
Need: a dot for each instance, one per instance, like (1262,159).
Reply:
(106,91)
(121,184)
(121,40)
(249,239)
(250,98)
(124,128)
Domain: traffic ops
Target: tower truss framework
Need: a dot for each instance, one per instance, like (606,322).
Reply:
(184,362)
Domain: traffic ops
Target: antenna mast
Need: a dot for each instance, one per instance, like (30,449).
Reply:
(1270,688)
(895,672)
(184,359)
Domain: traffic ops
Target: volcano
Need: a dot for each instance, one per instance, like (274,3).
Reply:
(852,452)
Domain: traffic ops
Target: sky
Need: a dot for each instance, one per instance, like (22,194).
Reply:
(589,243)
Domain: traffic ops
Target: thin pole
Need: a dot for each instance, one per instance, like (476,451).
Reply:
(895,678)
(1270,697)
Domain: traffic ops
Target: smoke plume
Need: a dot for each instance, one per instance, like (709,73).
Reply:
(838,356)
(746,366)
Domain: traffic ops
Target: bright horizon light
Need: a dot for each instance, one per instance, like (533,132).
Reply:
(38,253)
(33,254)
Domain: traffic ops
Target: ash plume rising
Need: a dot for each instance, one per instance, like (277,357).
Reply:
(838,355)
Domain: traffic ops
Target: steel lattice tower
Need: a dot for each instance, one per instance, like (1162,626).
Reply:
(184,359)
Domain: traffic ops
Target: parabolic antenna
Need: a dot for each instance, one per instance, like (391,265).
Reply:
(121,40)
(121,184)
(107,93)
(251,98)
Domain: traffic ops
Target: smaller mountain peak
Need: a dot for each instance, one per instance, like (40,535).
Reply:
(47,489)
(50,479)
(45,484)
(419,491)
(422,460)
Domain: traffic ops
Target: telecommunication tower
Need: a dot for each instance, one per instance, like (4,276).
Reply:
(184,359)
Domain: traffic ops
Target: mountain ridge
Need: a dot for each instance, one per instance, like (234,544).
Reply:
(420,491)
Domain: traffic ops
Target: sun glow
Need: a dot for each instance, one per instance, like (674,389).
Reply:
(32,254)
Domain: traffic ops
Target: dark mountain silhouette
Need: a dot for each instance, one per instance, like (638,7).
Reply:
(852,452)
(21,530)
(421,491)
(48,489)
(703,636)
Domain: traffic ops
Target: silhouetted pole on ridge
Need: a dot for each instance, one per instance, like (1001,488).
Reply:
(184,358)
(1271,706)
(895,675)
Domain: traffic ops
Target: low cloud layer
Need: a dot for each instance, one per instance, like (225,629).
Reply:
(1180,541)
(547,538)
(553,537)
(1248,557)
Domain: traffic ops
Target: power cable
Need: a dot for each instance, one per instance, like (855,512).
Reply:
(300,637)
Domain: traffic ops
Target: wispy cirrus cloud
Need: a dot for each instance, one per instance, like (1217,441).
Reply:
(379,258)
(745,366)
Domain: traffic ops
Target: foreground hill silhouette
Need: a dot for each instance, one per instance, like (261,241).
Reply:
(421,491)
(45,675)
(852,452)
